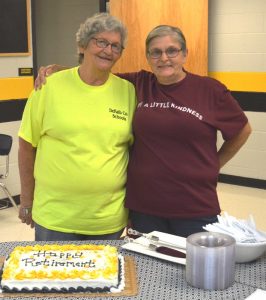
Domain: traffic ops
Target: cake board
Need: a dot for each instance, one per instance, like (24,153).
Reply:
(131,286)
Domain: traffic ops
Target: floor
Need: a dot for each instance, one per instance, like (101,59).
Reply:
(235,200)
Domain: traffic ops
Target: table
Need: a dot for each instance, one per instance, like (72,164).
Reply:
(163,280)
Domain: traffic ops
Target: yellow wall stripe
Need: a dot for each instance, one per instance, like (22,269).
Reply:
(15,88)
(242,81)
(20,87)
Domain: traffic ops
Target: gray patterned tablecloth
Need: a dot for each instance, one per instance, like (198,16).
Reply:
(163,280)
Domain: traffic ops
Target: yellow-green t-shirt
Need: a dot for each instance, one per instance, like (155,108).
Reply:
(82,134)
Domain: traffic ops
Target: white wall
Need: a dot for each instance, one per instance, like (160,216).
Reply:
(237,42)
(237,35)
(9,65)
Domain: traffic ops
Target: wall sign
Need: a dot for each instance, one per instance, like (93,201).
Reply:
(14,27)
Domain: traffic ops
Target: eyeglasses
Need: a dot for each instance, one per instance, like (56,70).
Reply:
(102,43)
(170,52)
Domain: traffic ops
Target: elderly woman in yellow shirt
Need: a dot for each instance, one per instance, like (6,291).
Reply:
(73,142)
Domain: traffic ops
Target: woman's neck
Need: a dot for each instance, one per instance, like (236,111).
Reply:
(93,77)
(173,79)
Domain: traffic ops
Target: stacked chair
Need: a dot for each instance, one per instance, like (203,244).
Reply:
(5,148)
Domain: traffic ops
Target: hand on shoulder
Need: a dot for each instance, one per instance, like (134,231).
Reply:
(44,72)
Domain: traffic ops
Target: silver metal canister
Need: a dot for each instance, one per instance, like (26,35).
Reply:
(210,260)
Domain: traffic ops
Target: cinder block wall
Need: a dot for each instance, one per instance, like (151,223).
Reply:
(237,51)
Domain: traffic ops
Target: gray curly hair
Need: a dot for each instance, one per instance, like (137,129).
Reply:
(99,22)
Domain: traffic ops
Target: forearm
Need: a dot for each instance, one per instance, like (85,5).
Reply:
(26,160)
(232,146)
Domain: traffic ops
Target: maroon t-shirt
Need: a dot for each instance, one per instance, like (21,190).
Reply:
(173,166)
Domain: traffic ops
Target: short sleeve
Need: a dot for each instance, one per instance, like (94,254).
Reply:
(230,118)
(31,124)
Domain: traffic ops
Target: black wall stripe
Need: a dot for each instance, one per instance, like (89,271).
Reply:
(11,110)
(243,181)
(251,101)
(6,202)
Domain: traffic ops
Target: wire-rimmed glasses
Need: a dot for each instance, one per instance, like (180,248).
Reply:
(103,43)
(170,52)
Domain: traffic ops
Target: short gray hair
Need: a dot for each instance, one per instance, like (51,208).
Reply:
(166,30)
(98,23)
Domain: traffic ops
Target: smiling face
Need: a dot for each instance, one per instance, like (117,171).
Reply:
(167,69)
(102,59)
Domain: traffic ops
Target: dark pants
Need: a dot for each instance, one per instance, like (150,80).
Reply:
(182,227)
(44,234)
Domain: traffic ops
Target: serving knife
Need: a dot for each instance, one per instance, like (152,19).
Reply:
(157,248)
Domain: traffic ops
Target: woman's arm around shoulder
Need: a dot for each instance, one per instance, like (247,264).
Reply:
(45,72)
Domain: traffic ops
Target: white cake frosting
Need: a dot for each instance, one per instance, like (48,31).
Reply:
(63,267)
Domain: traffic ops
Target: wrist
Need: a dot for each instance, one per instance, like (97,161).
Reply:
(25,211)
(25,201)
